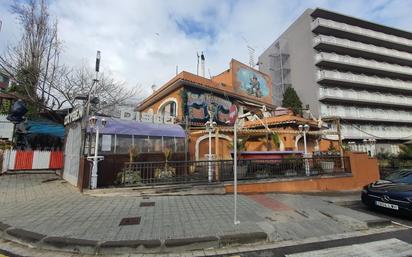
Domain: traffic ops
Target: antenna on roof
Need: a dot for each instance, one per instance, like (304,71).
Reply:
(197,65)
(202,64)
(177,69)
(251,50)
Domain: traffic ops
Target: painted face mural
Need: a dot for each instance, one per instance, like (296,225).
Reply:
(198,104)
(252,83)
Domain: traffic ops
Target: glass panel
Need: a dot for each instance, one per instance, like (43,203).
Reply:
(169,142)
(155,144)
(180,144)
(123,143)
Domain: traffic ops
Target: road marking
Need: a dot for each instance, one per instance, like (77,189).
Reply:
(400,224)
(383,248)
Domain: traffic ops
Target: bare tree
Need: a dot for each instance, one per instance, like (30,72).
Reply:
(34,62)
(77,83)
(35,65)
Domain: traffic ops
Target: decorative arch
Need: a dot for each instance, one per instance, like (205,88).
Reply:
(206,137)
(166,101)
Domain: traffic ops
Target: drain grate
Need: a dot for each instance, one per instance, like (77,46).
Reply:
(130,221)
(147,204)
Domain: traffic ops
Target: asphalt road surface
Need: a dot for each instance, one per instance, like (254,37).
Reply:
(394,244)
(400,220)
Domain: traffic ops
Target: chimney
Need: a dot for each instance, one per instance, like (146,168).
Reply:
(202,65)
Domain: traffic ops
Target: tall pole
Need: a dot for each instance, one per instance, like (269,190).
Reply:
(235,221)
(209,173)
(338,128)
(94,168)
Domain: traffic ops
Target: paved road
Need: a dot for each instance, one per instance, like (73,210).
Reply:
(382,213)
(393,244)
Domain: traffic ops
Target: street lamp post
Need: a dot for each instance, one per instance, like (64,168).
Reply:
(93,121)
(210,127)
(304,129)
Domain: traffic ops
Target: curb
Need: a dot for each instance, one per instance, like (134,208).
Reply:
(131,244)
(243,238)
(86,246)
(379,222)
(25,234)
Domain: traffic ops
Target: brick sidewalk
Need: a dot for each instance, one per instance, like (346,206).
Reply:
(51,207)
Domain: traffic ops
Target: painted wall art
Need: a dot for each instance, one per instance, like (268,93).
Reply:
(198,103)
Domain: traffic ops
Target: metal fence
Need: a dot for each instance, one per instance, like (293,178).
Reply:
(388,166)
(177,172)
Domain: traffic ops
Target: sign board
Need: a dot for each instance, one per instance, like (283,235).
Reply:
(76,114)
(232,114)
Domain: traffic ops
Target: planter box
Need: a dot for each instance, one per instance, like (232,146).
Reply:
(327,166)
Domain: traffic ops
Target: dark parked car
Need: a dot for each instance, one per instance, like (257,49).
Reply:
(392,193)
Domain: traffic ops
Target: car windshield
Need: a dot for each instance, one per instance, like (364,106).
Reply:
(401,176)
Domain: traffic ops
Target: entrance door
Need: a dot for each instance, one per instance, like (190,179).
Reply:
(72,153)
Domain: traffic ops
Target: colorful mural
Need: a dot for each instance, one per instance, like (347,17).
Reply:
(252,83)
(199,102)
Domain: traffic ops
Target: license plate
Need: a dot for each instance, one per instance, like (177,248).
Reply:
(387,205)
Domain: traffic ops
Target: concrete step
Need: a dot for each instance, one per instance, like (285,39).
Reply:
(161,190)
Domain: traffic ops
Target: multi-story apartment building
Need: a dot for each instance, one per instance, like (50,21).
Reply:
(349,68)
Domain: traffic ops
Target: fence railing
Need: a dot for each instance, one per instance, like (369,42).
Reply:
(177,172)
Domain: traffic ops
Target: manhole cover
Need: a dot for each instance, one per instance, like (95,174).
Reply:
(130,221)
(147,204)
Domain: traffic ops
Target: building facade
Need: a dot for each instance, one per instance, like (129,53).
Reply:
(349,68)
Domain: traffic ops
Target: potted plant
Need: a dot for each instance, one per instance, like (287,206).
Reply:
(167,171)
(328,165)
(130,176)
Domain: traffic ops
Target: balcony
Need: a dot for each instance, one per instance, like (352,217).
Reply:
(360,131)
(363,81)
(339,95)
(355,112)
(360,65)
(342,30)
(358,49)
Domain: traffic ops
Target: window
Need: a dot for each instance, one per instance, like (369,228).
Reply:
(123,143)
(169,109)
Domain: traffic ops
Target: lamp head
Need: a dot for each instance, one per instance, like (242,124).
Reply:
(306,127)
(300,128)
(104,122)
(93,121)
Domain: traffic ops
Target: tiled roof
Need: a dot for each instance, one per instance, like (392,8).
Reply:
(280,120)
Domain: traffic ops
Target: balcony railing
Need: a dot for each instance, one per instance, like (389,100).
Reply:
(363,63)
(364,79)
(364,96)
(360,31)
(381,131)
(181,172)
(362,47)
(366,113)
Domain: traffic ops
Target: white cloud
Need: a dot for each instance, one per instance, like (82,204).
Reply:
(142,43)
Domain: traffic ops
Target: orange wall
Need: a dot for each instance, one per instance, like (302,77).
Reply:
(364,171)
(175,94)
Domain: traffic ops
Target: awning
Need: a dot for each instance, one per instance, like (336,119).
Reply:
(116,126)
(45,128)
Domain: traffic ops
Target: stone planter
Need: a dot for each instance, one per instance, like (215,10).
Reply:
(327,166)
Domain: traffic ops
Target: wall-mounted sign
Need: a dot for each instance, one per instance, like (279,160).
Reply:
(76,114)
(199,102)
(148,117)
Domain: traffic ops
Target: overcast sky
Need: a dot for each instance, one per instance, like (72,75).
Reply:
(143,41)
